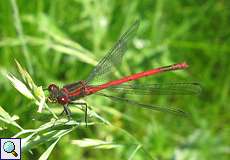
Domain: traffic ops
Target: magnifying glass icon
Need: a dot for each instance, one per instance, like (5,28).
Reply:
(9,147)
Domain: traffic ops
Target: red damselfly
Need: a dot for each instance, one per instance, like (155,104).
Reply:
(71,92)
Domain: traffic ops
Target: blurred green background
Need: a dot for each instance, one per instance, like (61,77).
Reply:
(61,41)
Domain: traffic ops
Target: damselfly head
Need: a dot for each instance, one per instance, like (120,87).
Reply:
(53,88)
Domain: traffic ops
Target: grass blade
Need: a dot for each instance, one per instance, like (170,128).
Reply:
(95,143)
(21,87)
(46,154)
(5,117)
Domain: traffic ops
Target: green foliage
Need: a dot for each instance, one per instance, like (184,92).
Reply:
(61,41)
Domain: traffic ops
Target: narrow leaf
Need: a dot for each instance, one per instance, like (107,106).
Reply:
(5,117)
(21,87)
(46,154)
(96,143)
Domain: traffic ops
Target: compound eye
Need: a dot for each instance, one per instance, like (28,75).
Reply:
(52,87)
(63,100)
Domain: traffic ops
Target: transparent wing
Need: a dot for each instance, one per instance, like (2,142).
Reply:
(170,110)
(115,54)
(158,89)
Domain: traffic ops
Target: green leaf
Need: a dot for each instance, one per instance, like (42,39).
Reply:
(5,117)
(21,70)
(46,154)
(20,86)
(37,138)
(36,91)
(28,88)
(95,143)
(134,152)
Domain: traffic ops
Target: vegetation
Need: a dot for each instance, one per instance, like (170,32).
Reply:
(61,41)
